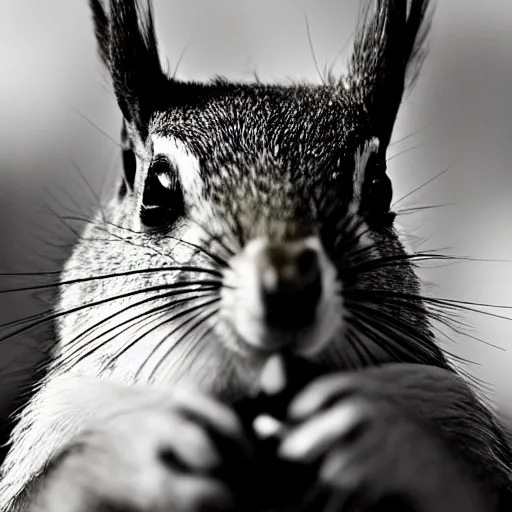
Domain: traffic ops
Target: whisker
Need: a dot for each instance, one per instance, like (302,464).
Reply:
(61,219)
(116,237)
(31,274)
(85,118)
(361,349)
(81,280)
(407,137)
(173,331)
(443,303)
(416,209)
(217,238)
(341,51)
(374,334)
(127,324)
(439,315)
(180,58)
(417,189)
(196,345)
(315,61)
(162,307)
(189,331)
(144,321)
(372,263)
(96,197)
(131,344)
(393,326)
(100,302)
(220,261)
(199,270)
(408,150)
(347,243)
(352,355)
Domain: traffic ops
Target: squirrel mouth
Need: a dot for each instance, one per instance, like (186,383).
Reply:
(270,341)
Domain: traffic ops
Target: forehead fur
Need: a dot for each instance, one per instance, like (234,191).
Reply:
(269,157)
(319,124)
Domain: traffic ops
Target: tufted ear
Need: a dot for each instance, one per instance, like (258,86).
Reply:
(388,52)
(127,45)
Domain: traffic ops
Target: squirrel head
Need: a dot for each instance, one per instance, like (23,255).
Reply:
(250,217)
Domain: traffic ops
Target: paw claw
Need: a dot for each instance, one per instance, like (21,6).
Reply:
(322,432)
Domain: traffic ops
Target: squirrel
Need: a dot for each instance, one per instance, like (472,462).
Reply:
(241,317)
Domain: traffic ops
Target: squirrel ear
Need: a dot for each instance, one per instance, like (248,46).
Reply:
(127,45)
(389,49)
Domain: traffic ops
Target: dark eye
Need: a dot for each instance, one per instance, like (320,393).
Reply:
(377,200)
(380,194)
(162,200)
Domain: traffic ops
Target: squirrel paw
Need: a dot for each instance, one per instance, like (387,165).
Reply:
(167,458)
(371,453)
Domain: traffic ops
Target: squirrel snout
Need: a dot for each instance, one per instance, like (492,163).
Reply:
(290,284)
(283,293)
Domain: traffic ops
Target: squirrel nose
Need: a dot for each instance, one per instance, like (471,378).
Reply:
(290,285)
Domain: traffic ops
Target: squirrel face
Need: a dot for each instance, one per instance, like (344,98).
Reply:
(271,182)
(250,218)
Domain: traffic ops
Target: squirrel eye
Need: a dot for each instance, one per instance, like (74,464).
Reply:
(162,199)
(377,200)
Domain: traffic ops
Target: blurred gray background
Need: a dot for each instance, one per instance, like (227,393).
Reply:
(53,90)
